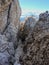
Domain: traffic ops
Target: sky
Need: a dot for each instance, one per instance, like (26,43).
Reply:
(34,6)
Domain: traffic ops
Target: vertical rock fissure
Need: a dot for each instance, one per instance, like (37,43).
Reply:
(8,17)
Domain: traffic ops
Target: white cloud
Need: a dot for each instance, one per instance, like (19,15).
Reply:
(25,11)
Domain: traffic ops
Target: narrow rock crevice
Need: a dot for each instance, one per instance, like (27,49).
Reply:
(8,17)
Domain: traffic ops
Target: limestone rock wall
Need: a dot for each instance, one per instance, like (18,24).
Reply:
(10,12)
(27,45)
(36,44)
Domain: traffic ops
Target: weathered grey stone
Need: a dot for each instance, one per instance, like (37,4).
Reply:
(3,59)
(9,13)
(3,20)
(27,28)
(16,63)
(18,52)
(9,25)
(6,46)
(4,6)
(29,23)
(14,15)
(44,16)
(7,49)
(36,44)
(11,33)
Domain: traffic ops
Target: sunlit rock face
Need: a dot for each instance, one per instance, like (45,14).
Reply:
(15,13)
(9,25)
(9,19)
(13,27)
(4,2)
(9,13)
(29,23)
(3,19)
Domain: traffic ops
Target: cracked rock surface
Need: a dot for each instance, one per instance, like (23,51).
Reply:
(25,44)
(36,43)
(9,25)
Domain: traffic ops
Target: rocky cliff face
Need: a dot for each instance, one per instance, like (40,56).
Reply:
(9,25)
(25,44)
(9,13)
(36,44)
